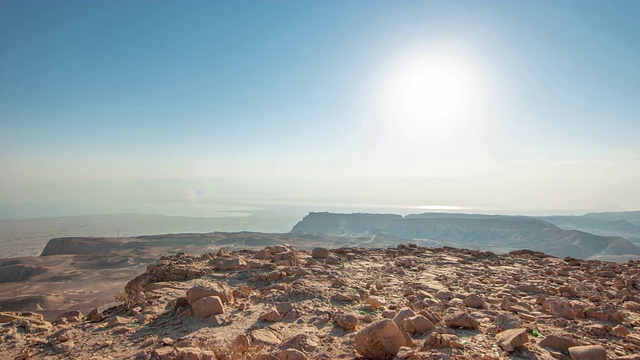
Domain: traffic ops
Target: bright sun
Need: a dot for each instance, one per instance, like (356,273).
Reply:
(430,98)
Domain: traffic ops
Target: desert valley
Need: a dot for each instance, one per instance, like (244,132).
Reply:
(375,286)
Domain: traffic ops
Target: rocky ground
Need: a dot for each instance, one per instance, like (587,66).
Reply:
(407,302)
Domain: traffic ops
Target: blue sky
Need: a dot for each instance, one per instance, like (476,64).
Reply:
(193,89)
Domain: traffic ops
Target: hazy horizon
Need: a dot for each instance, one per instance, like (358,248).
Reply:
(500,106)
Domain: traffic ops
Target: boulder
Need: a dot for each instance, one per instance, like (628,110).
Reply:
(271,316)
(264,337)
(70,316)
(207,306)
(212,289)
(559,343)
(229,264)
(417,324)
(95,315)
(380,340)
(291,354)
(461,320)
(510,339)
(506,321)
(403,314)
(474,301)
(346,321)
(588,352)
(560,308)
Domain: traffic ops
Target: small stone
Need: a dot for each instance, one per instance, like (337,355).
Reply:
(346,321)
(588,352)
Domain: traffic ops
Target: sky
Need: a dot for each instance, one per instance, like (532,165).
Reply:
(520,105)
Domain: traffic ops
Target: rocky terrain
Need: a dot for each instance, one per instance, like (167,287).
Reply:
(402,302)
(482,232)
(84,272)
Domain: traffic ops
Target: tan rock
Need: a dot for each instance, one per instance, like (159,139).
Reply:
(436,340)
(69,317)
(303,342)
(264,254)
(274,275)
(229,264)
(349,297)
(64,347)
(380,340)
(271,316)
(621,331)
(185,353)
(242,342)
(588,352)
(474,301)
(118,321)
(212,289)
(417,324)
(207,306)
(506,321)
(461,320)
(444,295)
(95,315)
(403,314)
(510,339)
(605,313)
(559,343)
(265,337)
(291,354)
(560,308)
(288,258)
(631,305)
(346,321)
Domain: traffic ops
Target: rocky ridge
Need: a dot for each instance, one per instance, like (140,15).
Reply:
(406,302)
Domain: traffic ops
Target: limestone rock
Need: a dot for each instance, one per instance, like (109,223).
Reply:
(559,343)
(207,306)
(346,321)
(560,308)
(403,314)
(510,339)
(291,354)
(474,301)
(380,340)
(271,316)
(461,320)
(69,317)
(213,289)
(588,352)
(264,337)
(417,324)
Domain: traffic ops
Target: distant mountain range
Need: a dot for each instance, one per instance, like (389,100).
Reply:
(604,236)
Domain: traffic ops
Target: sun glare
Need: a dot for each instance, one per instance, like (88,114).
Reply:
(430,98)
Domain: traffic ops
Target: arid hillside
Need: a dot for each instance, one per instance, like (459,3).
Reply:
(401,302)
